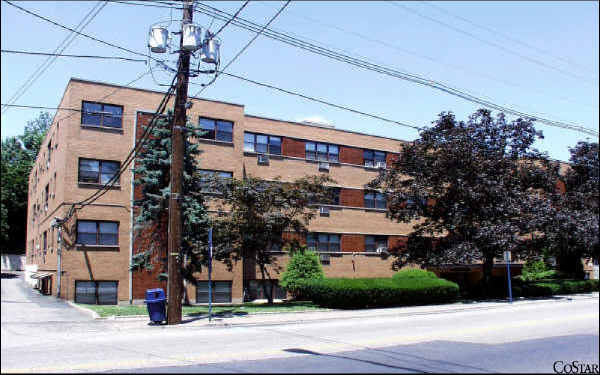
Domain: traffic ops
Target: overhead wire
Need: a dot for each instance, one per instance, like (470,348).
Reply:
(494,44)
(231,19)
(59,49)
(36,53)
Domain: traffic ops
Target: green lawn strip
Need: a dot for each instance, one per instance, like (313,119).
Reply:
(237,309)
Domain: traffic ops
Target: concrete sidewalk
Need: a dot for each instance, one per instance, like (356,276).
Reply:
(277,318)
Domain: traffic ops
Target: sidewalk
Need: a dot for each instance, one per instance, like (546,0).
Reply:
(277,318)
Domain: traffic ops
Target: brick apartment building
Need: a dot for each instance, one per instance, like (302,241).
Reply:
(83,150)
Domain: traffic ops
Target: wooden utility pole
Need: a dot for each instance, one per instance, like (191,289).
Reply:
(174,286)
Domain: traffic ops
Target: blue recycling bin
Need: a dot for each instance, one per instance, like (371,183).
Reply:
(155,302)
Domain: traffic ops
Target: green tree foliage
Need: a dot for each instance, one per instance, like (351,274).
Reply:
(258,213)
(469,184)
(152,171)
(303,265)
(571,231)
(18,156)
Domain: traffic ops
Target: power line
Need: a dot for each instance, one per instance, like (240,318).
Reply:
(245,47)
(321,101)
(79,33)
(232,18)
(69,55)
(506,36)
(282,37)
(59,49)
(494,44)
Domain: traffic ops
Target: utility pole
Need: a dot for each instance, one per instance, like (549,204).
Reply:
(174,286)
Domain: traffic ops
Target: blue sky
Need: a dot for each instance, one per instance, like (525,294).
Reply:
(567,31)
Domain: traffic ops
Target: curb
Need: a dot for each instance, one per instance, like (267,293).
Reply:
(83,309)
(450,309)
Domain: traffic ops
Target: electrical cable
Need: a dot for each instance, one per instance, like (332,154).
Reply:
(258,33)
(248,25)
(59,49)
(231,19)
(69,55)
(494,44)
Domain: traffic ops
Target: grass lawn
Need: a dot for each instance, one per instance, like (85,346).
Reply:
(237,309)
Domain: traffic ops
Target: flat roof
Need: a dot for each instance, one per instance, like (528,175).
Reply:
(240,105)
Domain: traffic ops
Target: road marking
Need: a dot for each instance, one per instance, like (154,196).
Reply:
(325,348)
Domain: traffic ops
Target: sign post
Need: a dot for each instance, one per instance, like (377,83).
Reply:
(507,258)
(209,274)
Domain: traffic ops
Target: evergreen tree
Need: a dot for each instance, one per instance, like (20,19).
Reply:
(152,172)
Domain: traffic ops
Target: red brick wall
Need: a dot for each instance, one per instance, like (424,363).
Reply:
(561,187)
(293,147)
(351,155)
(397,241)
(352,197)
(353,242)
(390,157)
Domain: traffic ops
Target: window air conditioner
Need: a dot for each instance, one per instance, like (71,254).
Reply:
(324,211)
(381,249)
(323,166)
(381,164)
(325,258)
(263,159)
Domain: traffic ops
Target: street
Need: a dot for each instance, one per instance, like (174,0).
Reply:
(40,334)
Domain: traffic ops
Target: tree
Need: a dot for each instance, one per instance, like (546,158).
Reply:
(152,170)
(18,156)
(469,188)
(259,213)
(571,231)
(303,265)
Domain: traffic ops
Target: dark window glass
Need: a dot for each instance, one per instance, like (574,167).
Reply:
(371,158)
(262,143)
(256,290)
(323,242)
(372,243)
(274,145)
(97,232)
(311,149)
(206,175)
(249,142)
(322,152)
(99,114)
(375,200)
(225,131)
(97,171)
(221,291)
(96,292)
(219,130)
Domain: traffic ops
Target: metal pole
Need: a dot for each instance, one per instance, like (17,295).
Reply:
(177,156)
(510,299)
(59,261)
(210,274)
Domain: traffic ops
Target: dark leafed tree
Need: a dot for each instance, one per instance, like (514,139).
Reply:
(18,156)
(152,171)
(571,231)
(469,187)
(257,213)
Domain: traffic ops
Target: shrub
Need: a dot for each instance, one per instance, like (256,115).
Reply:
(303,266)
(364,293)
(414,273)
(548,287)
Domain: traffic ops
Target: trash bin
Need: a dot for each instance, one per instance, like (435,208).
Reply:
(155,302)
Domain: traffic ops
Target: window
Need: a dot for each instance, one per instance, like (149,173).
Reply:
(219,130)
(102,115)
(206,175)
(262,144)
(46,193)
(334,195)
(97,232)
(371,158)
(97,171)
(221,291)
(323,242)
(322,152)
(96,292)
(256,290)
(375,199)
(45,241)
(372,243)
(49,154)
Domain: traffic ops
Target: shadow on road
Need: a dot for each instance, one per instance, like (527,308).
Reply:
(304,351)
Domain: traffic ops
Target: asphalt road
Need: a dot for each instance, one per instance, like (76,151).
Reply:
(514,338)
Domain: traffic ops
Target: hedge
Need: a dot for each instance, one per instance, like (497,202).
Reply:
(549,287)
(380,292)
